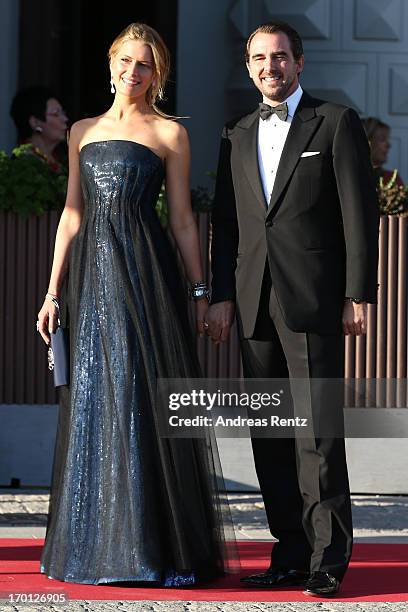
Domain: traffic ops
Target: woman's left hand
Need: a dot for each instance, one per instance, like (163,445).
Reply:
(201,310)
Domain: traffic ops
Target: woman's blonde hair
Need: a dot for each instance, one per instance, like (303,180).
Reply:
(372,124)
(161,58)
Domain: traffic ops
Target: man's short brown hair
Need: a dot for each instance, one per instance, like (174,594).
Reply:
(278,26)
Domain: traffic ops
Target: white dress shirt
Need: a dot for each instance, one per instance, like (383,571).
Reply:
(272,134)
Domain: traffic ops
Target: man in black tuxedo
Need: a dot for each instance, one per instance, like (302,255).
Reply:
(295,248)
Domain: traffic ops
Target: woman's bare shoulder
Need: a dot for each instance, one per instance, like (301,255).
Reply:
(172,133)
(81,128)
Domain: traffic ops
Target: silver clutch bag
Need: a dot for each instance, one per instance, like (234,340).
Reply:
(58,356)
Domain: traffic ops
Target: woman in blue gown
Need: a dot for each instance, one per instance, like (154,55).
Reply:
(127,504)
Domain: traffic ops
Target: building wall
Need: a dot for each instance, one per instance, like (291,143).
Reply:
(8,69)
(356,54)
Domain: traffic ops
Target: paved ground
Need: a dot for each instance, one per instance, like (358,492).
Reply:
(23,513)
(179,606)
(151,606)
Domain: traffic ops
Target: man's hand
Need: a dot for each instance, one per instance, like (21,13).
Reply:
(219,319)
(354,318)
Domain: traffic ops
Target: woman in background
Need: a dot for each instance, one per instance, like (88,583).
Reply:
(40,121)
(127,504)
(378,135)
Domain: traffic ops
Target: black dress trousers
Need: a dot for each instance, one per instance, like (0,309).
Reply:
(303,481)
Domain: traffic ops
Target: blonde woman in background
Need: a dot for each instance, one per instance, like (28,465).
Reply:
(378,135)
(126,504)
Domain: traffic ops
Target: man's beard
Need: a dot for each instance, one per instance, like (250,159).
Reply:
(281,94)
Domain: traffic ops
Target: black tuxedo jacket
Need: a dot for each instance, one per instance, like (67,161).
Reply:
(319,231)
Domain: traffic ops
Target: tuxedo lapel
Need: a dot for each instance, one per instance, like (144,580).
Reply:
(304,125)
(248,145)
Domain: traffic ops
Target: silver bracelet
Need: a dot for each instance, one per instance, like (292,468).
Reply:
(53,299)
(198,291)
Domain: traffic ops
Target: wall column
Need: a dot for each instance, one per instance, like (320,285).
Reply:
(9,27)
(203,66)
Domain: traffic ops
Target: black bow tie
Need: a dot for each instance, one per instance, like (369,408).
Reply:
(265,111)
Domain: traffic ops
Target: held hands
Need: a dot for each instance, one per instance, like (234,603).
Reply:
(219,319)
(47,320)
(201,306)
(354,318)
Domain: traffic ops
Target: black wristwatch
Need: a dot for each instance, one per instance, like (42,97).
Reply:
(354,300)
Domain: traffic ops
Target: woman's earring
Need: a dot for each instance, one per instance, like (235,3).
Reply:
(38,129)
(113,90)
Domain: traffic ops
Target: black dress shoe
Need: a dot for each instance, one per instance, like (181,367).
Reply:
(277,577)
(322,584)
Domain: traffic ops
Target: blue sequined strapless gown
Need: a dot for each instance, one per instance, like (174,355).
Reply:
(126,504)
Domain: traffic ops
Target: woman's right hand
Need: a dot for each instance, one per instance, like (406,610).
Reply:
(47,320)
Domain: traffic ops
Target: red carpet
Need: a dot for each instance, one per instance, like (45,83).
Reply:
(378,572)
